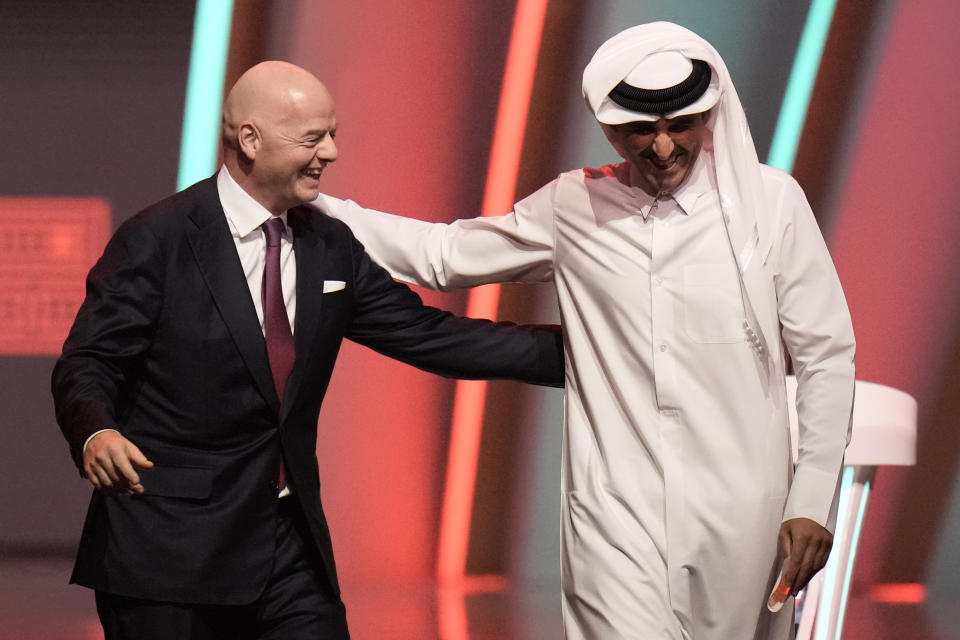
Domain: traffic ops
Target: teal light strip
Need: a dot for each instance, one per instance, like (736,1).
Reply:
(857,527)
(830,578)
(201,113)
(793,111)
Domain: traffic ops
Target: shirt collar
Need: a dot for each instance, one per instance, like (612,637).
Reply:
(244,214)
(686,195)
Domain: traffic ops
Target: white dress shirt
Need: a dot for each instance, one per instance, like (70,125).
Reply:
(245,216)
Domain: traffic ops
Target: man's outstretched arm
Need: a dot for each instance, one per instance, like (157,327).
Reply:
(517,247)
(391,319)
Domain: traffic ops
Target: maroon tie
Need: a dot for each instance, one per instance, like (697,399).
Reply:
(276,325)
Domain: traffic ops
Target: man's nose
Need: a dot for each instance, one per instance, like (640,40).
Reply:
(327,151)
(663,145)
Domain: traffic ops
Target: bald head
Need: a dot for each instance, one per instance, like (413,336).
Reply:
(268,92)
(278,127)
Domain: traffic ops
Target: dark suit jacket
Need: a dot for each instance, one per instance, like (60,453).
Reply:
(167,349)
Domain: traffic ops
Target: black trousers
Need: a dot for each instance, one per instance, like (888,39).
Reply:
(297,603)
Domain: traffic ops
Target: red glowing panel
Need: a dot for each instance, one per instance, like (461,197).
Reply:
(467,426)
(47,245)
(902,593)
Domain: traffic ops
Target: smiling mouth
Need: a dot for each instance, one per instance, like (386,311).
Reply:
(660,165)
(313,173)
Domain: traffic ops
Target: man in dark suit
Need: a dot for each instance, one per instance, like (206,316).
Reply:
(190,384)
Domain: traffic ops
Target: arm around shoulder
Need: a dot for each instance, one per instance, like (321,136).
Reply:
(391,319)
(516,247)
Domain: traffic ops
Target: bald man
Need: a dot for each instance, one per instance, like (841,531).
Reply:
(191,381)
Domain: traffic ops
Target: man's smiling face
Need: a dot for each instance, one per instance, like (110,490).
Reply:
(662,151)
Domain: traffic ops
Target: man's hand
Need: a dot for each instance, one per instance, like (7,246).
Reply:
(108,464)
(804,545)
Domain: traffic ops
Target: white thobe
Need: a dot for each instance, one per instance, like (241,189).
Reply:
(677,467)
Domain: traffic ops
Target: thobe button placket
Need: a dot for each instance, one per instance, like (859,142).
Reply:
(663,310)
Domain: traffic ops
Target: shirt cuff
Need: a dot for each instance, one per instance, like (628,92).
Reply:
(87,441)
(814,494)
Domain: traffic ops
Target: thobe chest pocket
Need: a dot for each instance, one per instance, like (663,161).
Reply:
(712,310)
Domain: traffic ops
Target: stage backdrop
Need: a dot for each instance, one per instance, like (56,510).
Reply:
(92,107)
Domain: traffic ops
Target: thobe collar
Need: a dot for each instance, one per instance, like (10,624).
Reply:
(243,212)
(696,185)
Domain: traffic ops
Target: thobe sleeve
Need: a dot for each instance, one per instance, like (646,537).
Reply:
(818,334)
(516,247)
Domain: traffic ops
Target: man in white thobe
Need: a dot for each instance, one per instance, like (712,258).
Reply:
(685,275)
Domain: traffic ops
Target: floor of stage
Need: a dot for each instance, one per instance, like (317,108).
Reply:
(36,603)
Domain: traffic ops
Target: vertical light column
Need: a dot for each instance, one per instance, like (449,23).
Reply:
(498,199)
(796,99)
(854,494)
(201,112)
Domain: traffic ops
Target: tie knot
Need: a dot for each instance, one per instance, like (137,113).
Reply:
(273,230)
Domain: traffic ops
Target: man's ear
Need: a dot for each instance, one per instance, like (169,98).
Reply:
(248,139)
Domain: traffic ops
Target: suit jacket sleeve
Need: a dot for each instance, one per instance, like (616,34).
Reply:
(113,329)
(392,319)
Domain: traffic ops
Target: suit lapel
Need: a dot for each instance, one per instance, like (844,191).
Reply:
(216,256)
(308,247)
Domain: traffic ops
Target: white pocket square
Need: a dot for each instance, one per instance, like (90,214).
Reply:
(329,286)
